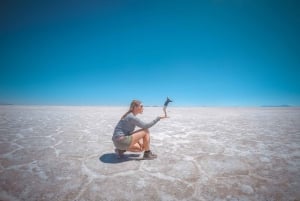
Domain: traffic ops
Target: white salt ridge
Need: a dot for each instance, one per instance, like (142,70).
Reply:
(66,153)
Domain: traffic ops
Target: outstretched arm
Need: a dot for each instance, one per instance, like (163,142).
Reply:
(139,123)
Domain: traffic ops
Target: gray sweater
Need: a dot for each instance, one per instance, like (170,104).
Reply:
(127,125)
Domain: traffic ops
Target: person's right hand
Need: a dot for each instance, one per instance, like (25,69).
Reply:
(163,117)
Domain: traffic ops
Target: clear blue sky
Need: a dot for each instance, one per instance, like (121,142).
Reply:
(199,53)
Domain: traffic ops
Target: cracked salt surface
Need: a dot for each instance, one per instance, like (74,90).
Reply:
(66,153)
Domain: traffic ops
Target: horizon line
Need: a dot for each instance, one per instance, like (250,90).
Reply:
(114,105)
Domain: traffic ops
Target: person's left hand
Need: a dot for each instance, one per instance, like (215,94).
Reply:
(141,145)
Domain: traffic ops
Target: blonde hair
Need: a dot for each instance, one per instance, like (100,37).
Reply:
(133,104)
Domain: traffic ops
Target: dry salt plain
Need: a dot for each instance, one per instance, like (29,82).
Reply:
(66,153)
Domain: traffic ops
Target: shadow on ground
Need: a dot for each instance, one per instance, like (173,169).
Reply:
(112,158)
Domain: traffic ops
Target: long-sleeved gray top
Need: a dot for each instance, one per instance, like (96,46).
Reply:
(127,125)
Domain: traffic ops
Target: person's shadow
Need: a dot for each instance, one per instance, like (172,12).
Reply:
(113,158)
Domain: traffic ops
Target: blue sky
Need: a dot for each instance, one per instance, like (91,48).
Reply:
(199,53)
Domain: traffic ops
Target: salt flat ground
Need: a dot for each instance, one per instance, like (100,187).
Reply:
(66,153)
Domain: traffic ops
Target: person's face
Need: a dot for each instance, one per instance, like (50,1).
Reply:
(140,108)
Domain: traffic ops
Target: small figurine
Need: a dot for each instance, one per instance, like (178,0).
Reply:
(166,105)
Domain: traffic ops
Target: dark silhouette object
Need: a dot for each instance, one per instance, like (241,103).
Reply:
(166,105)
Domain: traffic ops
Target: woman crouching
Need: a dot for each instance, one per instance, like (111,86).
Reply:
(126,139)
